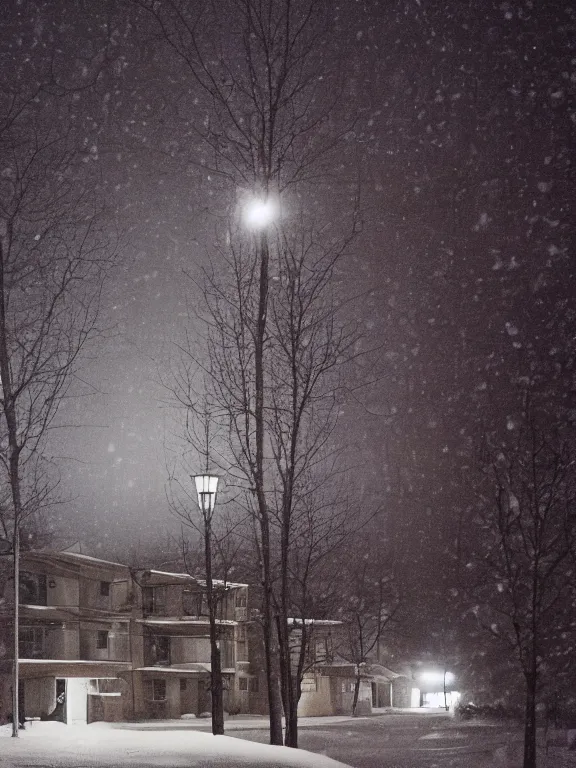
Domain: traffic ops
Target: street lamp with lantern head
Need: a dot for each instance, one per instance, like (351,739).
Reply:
(206,489)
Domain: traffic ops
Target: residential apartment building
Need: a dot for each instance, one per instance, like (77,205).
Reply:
(101,641)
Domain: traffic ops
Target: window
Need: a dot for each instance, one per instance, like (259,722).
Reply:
(241,633)
(31,642)
(243,683)
(33,589)
(182,683)
(254,687)
(157,690)
(159,651)
(154,600)
(102,639)
(104,589)
(240,599)
(320,653)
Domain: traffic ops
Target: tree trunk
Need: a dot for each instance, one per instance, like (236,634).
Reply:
(9,407)
(286,676)
(530,722)
(356,692)
(274,703)
(287,680)
(291,737)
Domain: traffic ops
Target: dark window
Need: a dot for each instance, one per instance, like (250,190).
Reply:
(254,687)
(154,600)
(240,599)
(159,651)
(243,683)
(320,650)
(31,642)
(201,605)
(33,589)
(157,690)
(102,639)
(182,683)
(105,589)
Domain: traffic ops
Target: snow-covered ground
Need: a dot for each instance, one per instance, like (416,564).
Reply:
(100,744)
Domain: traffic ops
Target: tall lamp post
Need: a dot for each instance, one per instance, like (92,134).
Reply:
(259,214)
(206,489)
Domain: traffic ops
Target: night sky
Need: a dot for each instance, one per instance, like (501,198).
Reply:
(463,141)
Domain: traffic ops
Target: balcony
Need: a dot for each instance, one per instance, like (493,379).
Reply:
(157,651)
(46,642)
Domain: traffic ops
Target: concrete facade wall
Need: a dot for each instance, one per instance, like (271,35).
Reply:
(62,643)
(62,591)
(118,648)
(39,696)
(401,692)
(316,699)
(189,649)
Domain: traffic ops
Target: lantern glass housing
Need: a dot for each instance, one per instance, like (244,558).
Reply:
(206,488)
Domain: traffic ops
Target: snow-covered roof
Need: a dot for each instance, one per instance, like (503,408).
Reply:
(183,621)
(171,575)
(223,583)
(316,622)
(196,666)
(77,662)
(381,671)
(84,558)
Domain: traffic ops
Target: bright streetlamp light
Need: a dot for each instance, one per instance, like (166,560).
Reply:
(259,213)
(437,676)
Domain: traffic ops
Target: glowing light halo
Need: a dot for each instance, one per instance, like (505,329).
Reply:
(432,676)
(259,213)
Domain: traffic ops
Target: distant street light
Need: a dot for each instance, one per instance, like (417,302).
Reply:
(206,488)
(436,676)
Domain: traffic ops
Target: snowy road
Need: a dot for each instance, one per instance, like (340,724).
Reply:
(413,741)
(386,741)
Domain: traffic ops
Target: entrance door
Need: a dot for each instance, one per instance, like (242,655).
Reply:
(76,700)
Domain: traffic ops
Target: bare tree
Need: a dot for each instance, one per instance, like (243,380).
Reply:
(369,603)
(264,91)
(519,572)
(53,259)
